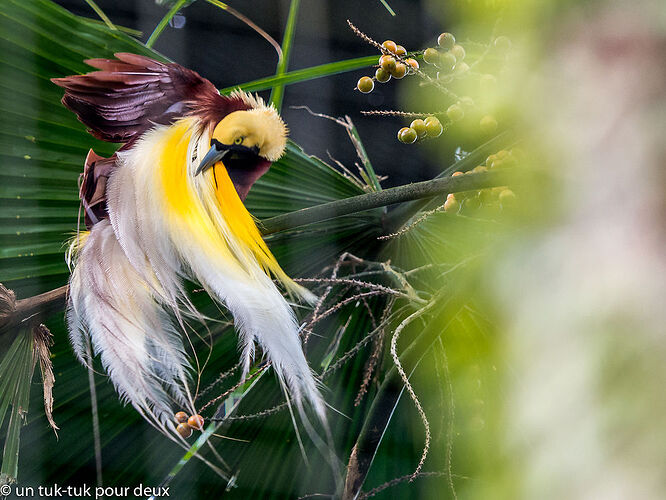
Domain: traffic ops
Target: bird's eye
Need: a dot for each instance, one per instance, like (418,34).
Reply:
(238,140)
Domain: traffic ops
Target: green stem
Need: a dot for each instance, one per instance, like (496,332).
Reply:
(101,14)
(305,74)
(163,23)
(388,7)
(360,203)
(277,93)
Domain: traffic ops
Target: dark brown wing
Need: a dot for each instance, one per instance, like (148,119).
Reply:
(125,98)
(132,92)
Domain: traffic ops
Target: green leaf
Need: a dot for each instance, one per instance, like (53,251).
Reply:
(278,90)
(306,74)
(16,370)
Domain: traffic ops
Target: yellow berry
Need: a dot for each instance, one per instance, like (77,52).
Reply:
(458,51)
(184,430)
(196,422)
(420,127)
(387,63)
(488,124)
(390,45)
(433,127)
(447,61)
(407,135)
(451,205)
(413,63)
(490,160)
(455,113)
(181,417)
(446,40)
(502,43)
(431,56)
(400,71)
(401,51)
(479,168)
(365,84)
(382,76)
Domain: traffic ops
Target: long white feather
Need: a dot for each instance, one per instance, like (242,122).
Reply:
(139,349)
(132,267)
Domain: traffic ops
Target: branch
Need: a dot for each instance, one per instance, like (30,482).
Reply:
(363,202)
(31,308)
(13,312)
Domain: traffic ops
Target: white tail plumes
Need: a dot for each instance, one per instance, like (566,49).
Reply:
(138,347)
(166,225)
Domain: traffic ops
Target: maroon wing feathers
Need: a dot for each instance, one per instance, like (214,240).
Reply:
(127,95)
(125,98)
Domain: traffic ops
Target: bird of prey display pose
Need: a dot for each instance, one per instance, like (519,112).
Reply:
(168,207)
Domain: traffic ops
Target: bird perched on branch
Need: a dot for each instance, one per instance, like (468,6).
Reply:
(166,207)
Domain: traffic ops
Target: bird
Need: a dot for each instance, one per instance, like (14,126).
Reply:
(168,207)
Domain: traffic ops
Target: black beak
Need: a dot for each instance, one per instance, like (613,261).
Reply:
(218,152)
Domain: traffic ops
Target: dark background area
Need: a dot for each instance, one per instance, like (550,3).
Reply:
(227,52)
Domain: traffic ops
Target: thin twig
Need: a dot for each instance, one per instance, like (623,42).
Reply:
(412,225)
(250,23)
(406,114)
(358,283)
(235,387)
(373,360)
(396,481)
(222,377)
(408,385)
(355,139)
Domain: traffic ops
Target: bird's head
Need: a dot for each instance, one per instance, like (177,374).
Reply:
(246,142)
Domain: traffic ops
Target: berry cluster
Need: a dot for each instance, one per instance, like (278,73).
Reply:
(418,129)
(448,58)
(500,197)
(392,64)
(186,424)
(448,61)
